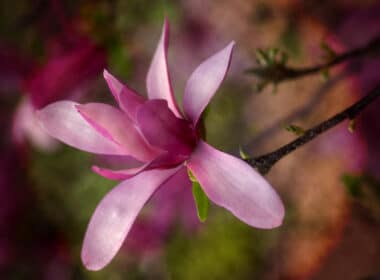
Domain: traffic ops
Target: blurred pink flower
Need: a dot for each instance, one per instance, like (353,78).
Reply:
(64,76)
(350,34)
(65,73)
(14,67)
(167,142)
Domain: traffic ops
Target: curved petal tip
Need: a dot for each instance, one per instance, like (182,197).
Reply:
(158,80)
(62,121)
(114,84)
(205,81)
(115,214)
(236,186)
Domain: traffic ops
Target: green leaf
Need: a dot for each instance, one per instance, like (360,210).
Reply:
(297,130)
(191,176)
(242,153)
(352,126)
(353,184)
(262,57)
(272,52)
(325,74)
(258,87)
(329,53)
(201,201)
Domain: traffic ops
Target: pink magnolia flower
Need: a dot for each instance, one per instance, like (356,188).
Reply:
(65,75)
(167,142)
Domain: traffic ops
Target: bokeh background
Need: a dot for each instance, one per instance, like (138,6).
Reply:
(55,49)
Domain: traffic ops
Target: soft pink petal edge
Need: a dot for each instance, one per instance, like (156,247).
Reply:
(158,79)
(115,214)
(204,82)
(127,98)
(114,124)
(236,186)
(114,85)
(62,121)
(164,160)
(25,125)
(121,174)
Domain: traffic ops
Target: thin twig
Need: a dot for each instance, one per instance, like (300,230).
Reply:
(265,162)
(279,72)
(299,113)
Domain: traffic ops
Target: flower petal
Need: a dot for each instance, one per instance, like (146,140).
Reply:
(236,186)
(121,174)
(126,97)
(162,129)
(162,161)
(61,120)
(114,84)
(173,203)
(26,126)
(158,79)
(204,82)
(115,125)
(115,214)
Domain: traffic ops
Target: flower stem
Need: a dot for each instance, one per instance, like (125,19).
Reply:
(265,162)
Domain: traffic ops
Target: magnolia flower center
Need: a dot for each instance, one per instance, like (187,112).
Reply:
(163,130)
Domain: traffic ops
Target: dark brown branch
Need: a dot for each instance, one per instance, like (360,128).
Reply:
(279,72)
(265,162)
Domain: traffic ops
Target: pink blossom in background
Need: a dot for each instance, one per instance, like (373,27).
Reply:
(26,126)
(65,73)
(167,142)
(14,67)
(64,76)
(350,146)
(18,207)
(351,35)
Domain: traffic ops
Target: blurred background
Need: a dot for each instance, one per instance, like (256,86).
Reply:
(54,49)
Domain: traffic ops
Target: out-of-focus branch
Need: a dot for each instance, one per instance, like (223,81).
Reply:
(302,112)
(265,162)
(274,70)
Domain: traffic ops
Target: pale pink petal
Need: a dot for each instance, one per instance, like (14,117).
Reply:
(61,120)
(118,127)
(162,129)
(165,160)
(114,84)
(26,126)
(236,186)
(115,215)
(130,102)
(204,82)
(121,174)
(174,203)
(127,98)
(158,79)
(116,161)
